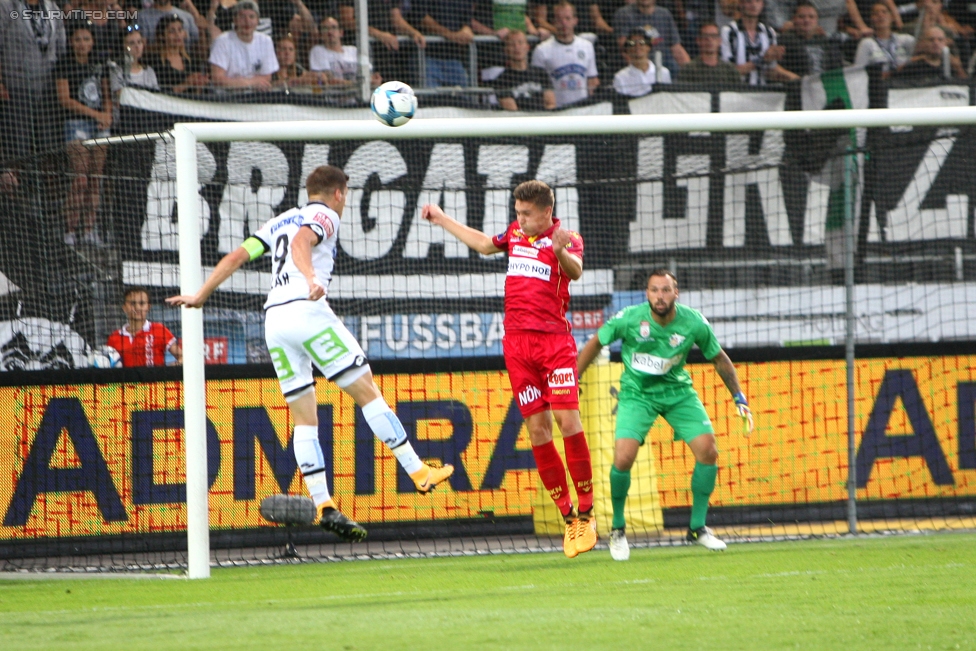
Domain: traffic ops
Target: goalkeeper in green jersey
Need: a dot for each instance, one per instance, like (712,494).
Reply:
(657,337)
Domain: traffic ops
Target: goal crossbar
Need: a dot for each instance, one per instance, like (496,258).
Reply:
(187,135)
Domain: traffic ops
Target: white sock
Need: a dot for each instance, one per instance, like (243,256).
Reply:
(311,463)
(388,428)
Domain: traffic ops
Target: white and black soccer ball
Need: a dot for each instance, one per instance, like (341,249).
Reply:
(393,103)
(105,357)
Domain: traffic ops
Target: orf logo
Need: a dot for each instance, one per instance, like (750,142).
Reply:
(562,377)
(529,394)
(645,329)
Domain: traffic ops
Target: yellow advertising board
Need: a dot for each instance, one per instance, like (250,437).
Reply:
(78,460)
(108,459)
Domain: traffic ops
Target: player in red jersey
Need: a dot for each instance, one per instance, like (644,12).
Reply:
(141,342)
(540,352)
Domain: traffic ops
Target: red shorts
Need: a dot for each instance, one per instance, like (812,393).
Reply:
(542,370)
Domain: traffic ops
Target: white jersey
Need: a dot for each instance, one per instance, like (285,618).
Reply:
(287,282)
(569,67)
(634,82)
(343,65)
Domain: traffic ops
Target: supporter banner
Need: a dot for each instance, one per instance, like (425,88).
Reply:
(107,459)
(699,194)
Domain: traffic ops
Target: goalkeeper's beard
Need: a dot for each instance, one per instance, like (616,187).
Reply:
(662,311)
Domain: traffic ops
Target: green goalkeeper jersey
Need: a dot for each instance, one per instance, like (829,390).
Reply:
(654,356)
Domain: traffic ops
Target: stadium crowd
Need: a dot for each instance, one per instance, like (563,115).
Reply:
(68,62)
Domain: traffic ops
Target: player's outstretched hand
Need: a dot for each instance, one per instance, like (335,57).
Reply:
(186,300)
(433,213)
(742,405)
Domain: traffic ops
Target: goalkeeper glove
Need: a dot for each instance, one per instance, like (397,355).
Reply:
(742,405)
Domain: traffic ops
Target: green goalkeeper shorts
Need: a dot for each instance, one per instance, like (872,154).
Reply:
(683,411)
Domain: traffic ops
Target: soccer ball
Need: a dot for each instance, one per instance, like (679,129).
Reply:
(393,103)
(105,357)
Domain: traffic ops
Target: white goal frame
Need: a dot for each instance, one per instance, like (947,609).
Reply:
(187,135)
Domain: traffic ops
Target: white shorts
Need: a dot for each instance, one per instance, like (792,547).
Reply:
(302,333)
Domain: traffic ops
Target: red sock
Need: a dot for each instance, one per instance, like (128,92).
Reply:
(580,469)
(552,472)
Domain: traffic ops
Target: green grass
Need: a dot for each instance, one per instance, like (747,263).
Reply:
(904,592)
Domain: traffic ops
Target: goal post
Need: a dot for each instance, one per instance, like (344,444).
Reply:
(187,135)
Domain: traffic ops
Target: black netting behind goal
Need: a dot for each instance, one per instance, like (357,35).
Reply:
(751,224)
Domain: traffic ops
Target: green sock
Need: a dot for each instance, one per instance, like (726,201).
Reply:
(619,485)
(702,485)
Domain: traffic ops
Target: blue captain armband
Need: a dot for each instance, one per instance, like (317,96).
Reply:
(254,247)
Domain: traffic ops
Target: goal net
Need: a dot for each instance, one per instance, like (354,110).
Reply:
(747,210)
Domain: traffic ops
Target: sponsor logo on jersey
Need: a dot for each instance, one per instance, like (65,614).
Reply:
(529,268)
(326,347)
(326,223)
(676,340)
(543,243)
(529,394)
(652,364)
(524,251)
(562,377)
(645,329)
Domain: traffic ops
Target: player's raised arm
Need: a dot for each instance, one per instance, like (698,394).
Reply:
(473,239)
(301,255)
(726,370)
(224,270)
(562,243)
(588,353)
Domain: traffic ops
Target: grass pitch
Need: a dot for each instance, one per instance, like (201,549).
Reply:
(902,592)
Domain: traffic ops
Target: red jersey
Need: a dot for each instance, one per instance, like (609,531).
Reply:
(146,348)
(536,288)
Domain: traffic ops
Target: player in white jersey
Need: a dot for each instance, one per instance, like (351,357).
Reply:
(301,329)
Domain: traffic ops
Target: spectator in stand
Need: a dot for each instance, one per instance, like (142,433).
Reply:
(499,17)
(569,59)
(337,64)
(889,49)
(243,58)
(220,17)
(522,87)
(708,68)
(149,18)
(593,17)
(175,71)
(726,11)
(779,14)
(927,66)
(140,342)
(291,74)
(289,17)
(83,93)
(107,33)
(386,22)
(807,51)
(658,24)
(28,52)
(932,14)
(131,71)
(450,19)
(752,47)
(639,77)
